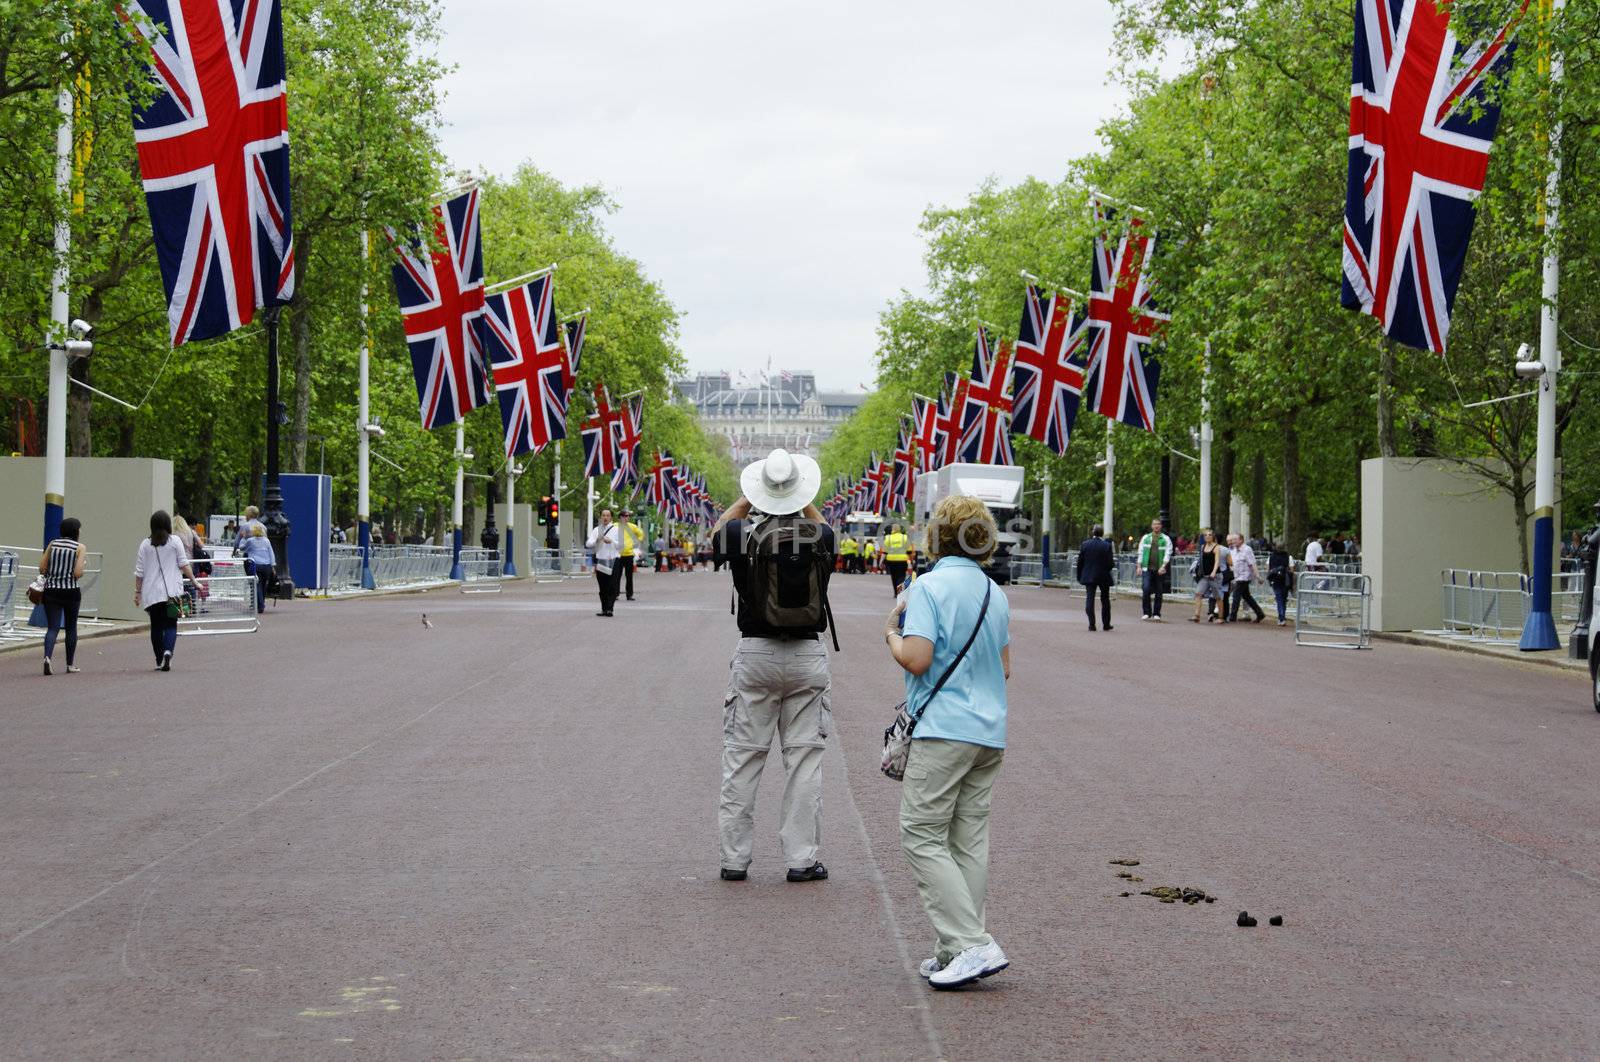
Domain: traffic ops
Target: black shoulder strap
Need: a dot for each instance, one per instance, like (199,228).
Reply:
(982,612)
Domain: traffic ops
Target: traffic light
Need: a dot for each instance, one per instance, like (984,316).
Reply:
(555,510)
(544,510)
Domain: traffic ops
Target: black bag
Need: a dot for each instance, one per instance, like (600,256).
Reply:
(788,565)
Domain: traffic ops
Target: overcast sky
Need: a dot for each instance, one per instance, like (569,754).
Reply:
(772,161)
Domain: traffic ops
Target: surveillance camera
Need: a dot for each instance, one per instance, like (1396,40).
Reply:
(78,348)
(1530,370)
(81,328)
(375,430)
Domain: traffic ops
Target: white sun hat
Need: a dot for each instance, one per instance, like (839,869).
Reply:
(781,484)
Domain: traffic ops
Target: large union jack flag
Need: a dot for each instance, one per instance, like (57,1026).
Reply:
(1048,369)
(442,304)
(213,149)
(1421,126)
(985,434)
(627,431)
(530,365)
(925,431)
(600,435)
(1121,379)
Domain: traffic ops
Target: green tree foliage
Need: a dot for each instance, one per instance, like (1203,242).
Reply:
(1239,161)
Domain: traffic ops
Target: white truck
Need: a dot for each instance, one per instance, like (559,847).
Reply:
(999,487)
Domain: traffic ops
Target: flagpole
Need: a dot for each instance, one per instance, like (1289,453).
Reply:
(1111,475)
(1205,439)
(1044,538)
(272,516)
(364,430)
(512,472)
(553,529)
(55,437)
(1539,631)
(455,508)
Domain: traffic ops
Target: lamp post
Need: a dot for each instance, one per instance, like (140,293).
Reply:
(462,457)
(1205,441)
(272,516)
(1044,537)
(512,472)
(366,428)
(490,538)
(1110,465)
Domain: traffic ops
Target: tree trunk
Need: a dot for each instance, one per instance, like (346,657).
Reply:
(200,482)
(1296,508)
(1386,447)
(79,403)
(1258,493)
(1519,507)
(125,430)
(1222,516)
(300,331)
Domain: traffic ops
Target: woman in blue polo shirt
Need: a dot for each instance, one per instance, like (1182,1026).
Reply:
(960,736)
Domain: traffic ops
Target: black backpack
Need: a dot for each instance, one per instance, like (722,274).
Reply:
(789,564)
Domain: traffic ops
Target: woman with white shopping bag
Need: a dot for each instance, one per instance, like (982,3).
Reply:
(950,633)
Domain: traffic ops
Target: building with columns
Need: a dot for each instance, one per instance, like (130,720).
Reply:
(789,412)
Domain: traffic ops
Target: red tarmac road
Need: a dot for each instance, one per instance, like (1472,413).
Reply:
(349,836)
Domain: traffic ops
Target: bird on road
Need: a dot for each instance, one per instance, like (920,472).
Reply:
(426,622)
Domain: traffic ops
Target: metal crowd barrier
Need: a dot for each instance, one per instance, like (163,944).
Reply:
(25,564)
(344,567)
(577,564)
(410,565)
(547,566)
(223,604)
(481,571)
(1493,607)
(1027,568)
(8,593)
(1334,610)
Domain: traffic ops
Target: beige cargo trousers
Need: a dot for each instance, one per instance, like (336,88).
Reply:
(778,688)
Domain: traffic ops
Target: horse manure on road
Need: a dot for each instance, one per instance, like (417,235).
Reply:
(1124,862)
(1174,894)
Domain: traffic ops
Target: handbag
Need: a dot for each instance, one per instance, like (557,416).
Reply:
(897,738)
(36,590)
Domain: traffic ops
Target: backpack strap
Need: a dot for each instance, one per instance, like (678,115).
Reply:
(982,612)
(833,629)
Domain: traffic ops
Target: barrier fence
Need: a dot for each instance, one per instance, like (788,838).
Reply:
(1493,607)
(1333,610)
(25,565)
(8,591)
(481,571)
(223,602)
(547,566)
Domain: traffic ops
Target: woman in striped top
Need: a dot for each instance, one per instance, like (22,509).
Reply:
(62,567)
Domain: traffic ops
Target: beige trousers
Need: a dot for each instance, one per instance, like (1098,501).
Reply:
(944,829)
(778,688)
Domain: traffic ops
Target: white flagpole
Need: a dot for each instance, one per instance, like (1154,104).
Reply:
(1111,475)
(512,471)
(1539,630)
(364,430)
(561,555)
(1205,440)
(455,508)
(55,445)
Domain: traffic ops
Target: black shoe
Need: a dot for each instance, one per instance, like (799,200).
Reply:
(166,661)
(1091,627)
(1108,626)
(815,872)
(734,875)
(47,670)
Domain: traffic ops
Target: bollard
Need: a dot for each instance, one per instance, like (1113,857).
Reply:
(1578,643)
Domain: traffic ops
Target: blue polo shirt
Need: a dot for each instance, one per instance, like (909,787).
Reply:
(942,607)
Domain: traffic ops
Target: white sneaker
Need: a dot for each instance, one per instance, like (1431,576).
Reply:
(1145,616)
(929,967)
(971,965)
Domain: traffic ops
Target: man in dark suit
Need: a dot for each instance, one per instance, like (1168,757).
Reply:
(1097,568)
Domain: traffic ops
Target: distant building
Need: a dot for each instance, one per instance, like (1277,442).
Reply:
(791,412)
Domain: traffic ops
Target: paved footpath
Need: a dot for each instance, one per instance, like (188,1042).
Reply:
(350,836)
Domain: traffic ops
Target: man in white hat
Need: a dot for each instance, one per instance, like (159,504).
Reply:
(780,552)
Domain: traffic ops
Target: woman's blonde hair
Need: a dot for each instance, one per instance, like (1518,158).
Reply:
(180,526)
(963,527)
(258,532)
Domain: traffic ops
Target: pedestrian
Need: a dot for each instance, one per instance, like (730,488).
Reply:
(1314,551)
(780,554)
(1244,573)
(1280,576)
(230,532)
(605,543)
(1155,560)
(1336,544)
(1207,571)
(259,561)
(896,557)
(189,539)
(251,522)
(1219,608)
(61,566)
(848,551)
(659,548)
(1097,570)
(160,572)
(632,544)
(951,636)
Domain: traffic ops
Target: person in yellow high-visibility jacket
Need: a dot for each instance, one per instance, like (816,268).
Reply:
(849,550)
(869,556)
(896,557)
(633,541)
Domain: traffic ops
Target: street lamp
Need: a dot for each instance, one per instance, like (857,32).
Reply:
(272,516)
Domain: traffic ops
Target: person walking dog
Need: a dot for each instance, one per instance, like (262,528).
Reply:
(954,649)
(1097,570)
(160,572)
(781,554)
(61,567)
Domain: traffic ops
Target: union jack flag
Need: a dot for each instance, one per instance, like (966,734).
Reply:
(1047,372)
(925,431)
(576,329)
(529,365)
(213,148)
(951,416)
(626,431)
(903,479)
(1123,316)
(985,438)
(441,301)
(1421,126)
(600,436)
(658,486)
